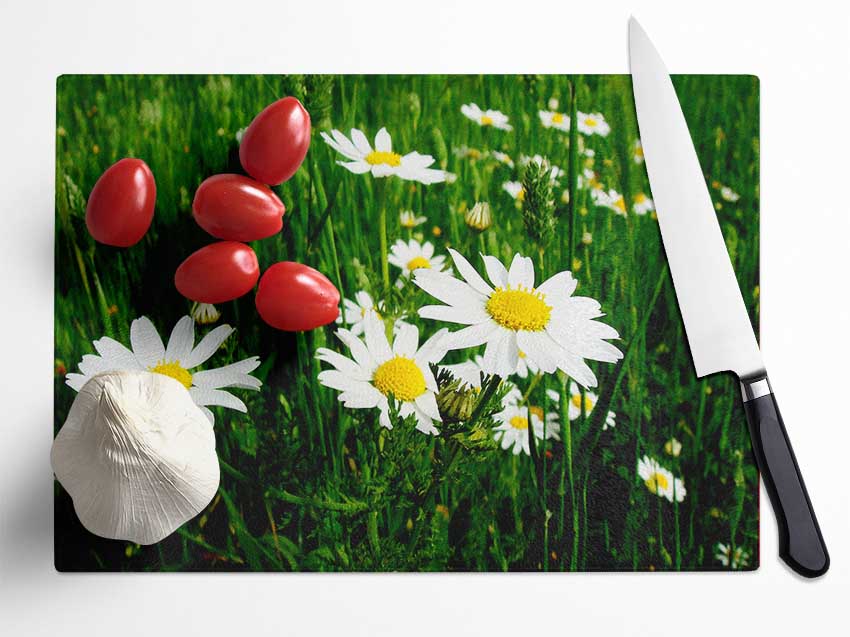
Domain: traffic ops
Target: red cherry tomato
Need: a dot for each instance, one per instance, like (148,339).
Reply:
(294,297)
(121,204)
(218,272)
(275,143)
(237,208)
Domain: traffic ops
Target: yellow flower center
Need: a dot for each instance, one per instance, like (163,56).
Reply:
(486,120)
(175,371)
(520,309)
(620,204)
(519,422)
(520,196)
(557,118)
(537,411)
(576,401)
(640,197)
(657,483)
(589,121)
(401,377)
(639,152)
(382,157)
(418,262)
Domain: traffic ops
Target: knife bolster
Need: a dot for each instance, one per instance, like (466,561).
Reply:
(752,388)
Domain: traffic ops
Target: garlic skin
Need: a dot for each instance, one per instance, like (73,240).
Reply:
(136,455)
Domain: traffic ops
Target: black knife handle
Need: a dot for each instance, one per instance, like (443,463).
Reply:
(801,544)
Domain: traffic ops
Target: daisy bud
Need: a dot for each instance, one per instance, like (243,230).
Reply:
(479,217)
(205,313)
(456,400)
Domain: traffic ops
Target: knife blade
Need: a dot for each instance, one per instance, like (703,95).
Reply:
(718,329)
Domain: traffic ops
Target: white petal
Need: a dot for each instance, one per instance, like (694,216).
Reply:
(448,289)
(461,315)
(383,170)
(233,375)
(211,341)
(358,167)
(361,396)
(146,343)
(360,142)
(434,349)
(364,300)
(428,404)
(469,273)
(181,340)
(471,336)
(120,356)
(337,380)
(217,397)
(496,271)
(540,348)
(521,272)
(358,349)
(384,419)
(376,338)
(76,381)
(501,354)
(406,340)
(342,363)
(383,142)
(558,287)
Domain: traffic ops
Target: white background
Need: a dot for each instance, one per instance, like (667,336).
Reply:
(801,54)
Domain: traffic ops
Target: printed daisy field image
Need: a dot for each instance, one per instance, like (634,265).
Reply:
(507,386)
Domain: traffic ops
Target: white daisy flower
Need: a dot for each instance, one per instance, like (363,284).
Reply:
(496,119)
(413,256)
(514,189)
(354,312)
(673,447)
(503,158)
(382,161)
(641,204)
(512,430)
(553,103)
(589,179)
(206,387)
(465,152)
(555,329)
(554,119)
(375,371)
(611,199)
(590,400)
(409,219)
(738,558)
(659,480)
(728,194)
(574,407)
(592,123)
(637,152)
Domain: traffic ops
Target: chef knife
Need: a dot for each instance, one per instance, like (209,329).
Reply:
(718,328)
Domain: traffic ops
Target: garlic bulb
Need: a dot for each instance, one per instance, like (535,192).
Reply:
(136,455)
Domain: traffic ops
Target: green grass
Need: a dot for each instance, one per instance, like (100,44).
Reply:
(309,485)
